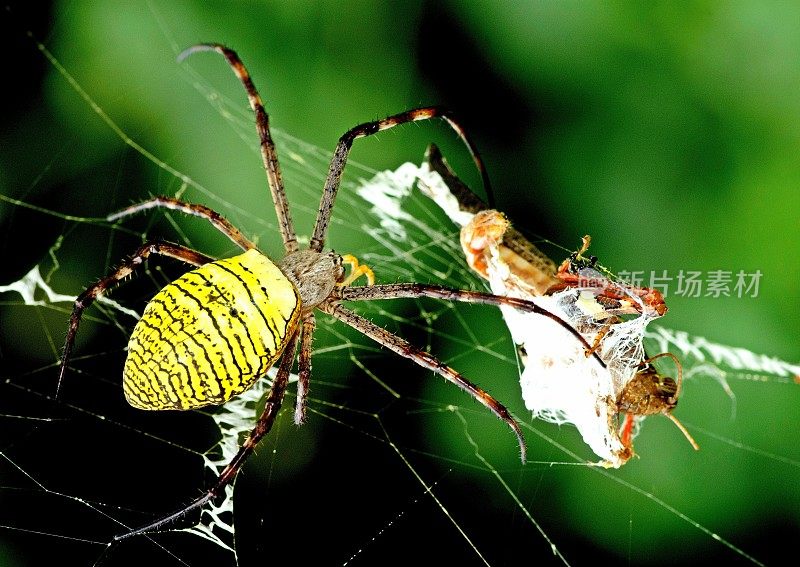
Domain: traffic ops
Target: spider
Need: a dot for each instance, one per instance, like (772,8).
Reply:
(210,334)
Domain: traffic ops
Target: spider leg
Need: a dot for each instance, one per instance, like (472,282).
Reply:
(426,360)
(339,159)
(304,368)
(124,270)
(412,290)
(212,216)
(268,153)
(262,427)
(470,202)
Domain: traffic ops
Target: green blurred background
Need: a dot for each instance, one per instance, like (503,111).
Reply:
(670,133)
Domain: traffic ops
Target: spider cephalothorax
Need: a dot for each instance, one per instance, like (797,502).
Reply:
(211,333)
(314,274)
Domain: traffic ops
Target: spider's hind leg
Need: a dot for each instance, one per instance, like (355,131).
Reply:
(217,220)
(125,269)
(262,427)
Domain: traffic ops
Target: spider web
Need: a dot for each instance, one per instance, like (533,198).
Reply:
(392,461)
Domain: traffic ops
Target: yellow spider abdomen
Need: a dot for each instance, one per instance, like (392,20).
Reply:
(210,334)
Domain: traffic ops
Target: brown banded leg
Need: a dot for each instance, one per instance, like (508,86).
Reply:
(262,427)
(86,298)
(304,367)
(339,159)
(212,216)
(413,290)
(425,360)
(268,153)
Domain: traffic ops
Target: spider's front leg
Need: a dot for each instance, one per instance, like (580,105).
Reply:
(412,290)
(125,269)
(424,359)
(269,155)
(342,152)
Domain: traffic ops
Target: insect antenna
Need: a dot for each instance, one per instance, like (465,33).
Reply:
(686,434)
